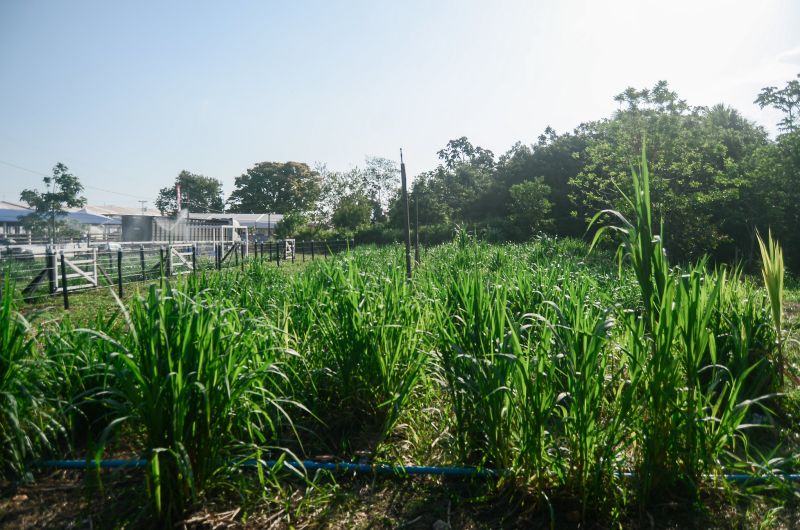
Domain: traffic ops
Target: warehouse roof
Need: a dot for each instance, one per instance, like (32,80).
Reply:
(11,212)
(111,210)
(250,220)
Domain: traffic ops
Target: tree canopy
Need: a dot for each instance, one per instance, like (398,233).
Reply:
(275,187)
(63,191)
(716,178)
(199,193)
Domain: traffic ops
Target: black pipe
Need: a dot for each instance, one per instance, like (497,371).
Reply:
(119,271)
(64,281)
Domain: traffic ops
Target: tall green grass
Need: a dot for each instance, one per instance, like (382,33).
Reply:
(566,368)
(692,406)
(28,426)
(199,379)
(772,271)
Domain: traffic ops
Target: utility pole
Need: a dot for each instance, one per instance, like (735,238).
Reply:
(52,212)
(407,216)
(416,224)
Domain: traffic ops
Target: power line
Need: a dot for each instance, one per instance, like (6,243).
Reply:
(85,186)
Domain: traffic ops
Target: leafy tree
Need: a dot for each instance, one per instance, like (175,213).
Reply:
(63,191)
(786,99)
(290,224)
(432,210)
(774,194)
(460,151)
(199,194)
(380,178)
(333,186)
(555,158)
(530,204)
(352,212)
(698,159)
(276,187)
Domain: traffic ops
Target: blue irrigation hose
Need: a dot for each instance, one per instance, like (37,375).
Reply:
(386,469)
(380,469)
(92,464)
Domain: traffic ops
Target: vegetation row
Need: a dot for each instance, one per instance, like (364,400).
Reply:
(566,368)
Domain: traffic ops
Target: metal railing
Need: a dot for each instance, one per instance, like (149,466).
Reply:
(40,275)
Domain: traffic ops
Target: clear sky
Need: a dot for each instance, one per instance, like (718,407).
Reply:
(127,94)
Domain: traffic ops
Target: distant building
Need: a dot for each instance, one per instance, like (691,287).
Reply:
(96,227)
(259,225)
(190,226)
(119,223)
(10,224)
(118,211)
(143,228)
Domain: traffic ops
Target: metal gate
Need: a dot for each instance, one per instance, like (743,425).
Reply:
(180,259)
(80,271)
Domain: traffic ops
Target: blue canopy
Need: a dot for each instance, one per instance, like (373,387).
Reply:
(81,217)
(12,215)
(85,218)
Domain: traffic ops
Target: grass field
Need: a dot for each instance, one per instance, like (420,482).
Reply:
(602,395)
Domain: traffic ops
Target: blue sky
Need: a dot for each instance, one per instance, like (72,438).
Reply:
(129,94)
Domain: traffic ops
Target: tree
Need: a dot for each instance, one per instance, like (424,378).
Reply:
(557,159)
(352,212)
(698,159)
(461,151)
(63,191)
(199,194)
(787,100)
(275,187)
(380,178)
(289,225)
(530,205)
(459,183)
(774,194)
(431,209)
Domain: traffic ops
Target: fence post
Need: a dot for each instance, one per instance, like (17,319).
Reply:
(235,254)
(161,260)
(51,273)
(302,244)
(262,251)
(312,250)
(244,250)
(119,271)
(194,258)
(169,260)
(277,254)
(141,261)
(216,255)
(64,281)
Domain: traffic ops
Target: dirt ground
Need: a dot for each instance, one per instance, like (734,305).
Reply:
(72,500)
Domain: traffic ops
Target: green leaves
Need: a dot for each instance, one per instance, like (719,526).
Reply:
(560,367)
(27,426)
(63,191)
(772,272)
(275,187)
(198,193)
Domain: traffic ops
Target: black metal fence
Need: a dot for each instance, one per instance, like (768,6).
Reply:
(58,272)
